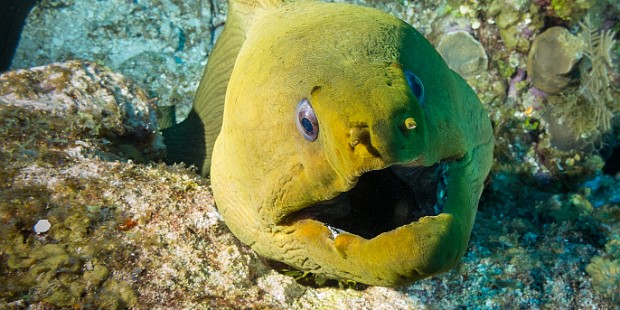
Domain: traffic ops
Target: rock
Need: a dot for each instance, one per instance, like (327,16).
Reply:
(42,226)
(111,106)
(152,42)
(463,53)
(552,58)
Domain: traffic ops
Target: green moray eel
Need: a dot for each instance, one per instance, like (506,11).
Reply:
(338,141)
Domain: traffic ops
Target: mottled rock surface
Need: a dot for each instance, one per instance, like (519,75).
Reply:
(127,230)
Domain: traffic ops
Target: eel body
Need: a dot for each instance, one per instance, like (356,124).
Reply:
(338,141)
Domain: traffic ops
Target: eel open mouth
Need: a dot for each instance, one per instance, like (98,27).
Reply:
(383,200)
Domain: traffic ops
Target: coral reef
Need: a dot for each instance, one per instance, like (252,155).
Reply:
(124,232)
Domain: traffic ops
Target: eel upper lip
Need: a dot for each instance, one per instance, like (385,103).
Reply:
(383,200)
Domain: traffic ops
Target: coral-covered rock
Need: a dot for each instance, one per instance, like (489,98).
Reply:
(109,105)
(552,57)
(463,53)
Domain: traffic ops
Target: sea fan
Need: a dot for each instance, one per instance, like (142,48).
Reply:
(595,83)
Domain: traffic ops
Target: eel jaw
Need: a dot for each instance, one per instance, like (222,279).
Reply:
(382,200)
(425,243)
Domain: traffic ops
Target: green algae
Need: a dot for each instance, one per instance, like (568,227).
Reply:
(56,267)
(505,69)
(612,247)
(568,9)
(513,20)
(605,275)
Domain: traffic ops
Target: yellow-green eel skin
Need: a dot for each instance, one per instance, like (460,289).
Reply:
(350,64)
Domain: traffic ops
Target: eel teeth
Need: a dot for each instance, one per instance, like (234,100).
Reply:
(334,231)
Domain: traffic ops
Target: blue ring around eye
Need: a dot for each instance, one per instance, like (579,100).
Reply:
(417,88)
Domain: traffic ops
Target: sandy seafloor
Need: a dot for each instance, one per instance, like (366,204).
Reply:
(126,233)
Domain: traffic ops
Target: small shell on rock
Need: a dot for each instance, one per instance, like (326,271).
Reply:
(42,226)
(463,53)
(553,56)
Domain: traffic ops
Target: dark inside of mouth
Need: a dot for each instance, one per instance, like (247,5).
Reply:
(383,200)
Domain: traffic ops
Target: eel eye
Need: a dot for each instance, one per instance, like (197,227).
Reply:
(307,124)
(416,85)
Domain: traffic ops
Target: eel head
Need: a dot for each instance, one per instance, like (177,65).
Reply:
(348,148)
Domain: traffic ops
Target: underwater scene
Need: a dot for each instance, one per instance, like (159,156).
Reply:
(370,154)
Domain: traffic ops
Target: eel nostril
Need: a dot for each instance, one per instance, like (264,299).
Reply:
(410,123)
(359,134)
